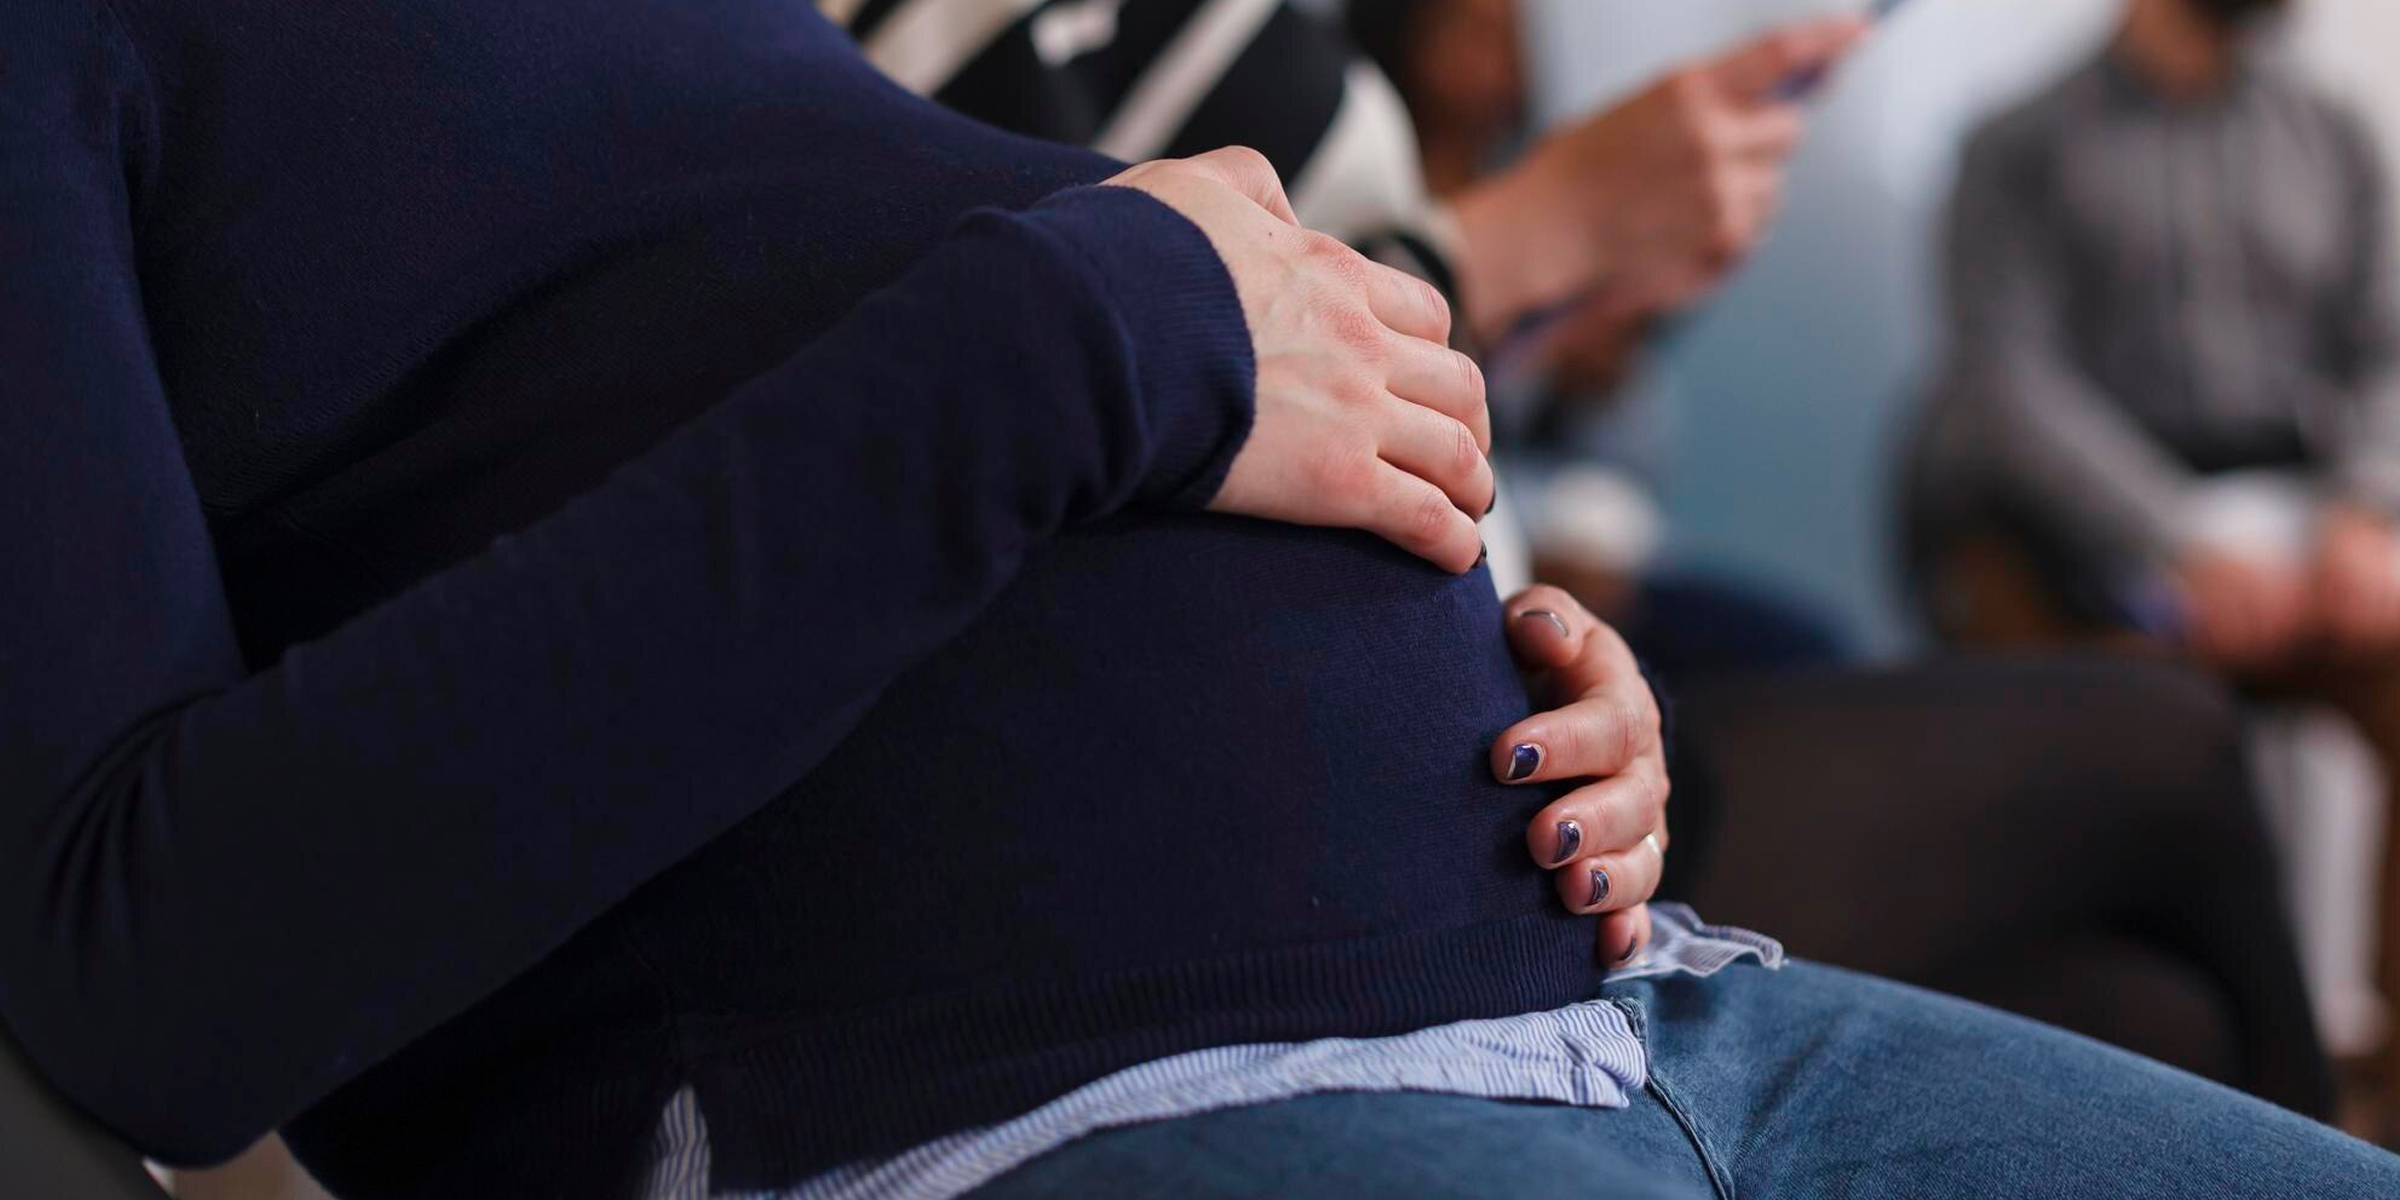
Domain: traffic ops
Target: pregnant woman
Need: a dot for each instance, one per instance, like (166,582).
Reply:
(482,702)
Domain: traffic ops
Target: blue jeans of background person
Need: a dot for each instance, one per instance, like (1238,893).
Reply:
(1804,1083)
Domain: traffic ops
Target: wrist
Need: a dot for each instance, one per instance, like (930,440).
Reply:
(1181,325)
(1526,243)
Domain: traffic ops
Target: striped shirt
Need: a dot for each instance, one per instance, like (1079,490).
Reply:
(1144,79)
(1585,1054)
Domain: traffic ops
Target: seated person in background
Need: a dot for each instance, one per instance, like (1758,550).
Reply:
(510,673)
(2108,785)
(2172,411)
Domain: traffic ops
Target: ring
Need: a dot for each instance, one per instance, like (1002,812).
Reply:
(1651,840)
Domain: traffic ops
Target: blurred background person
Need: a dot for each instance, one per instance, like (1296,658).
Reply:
(2171,412)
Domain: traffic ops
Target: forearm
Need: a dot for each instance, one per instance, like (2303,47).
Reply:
(1519,253)
(266,883)
(2063,449)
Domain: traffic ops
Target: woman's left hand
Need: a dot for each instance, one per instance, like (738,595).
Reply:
(1606,840)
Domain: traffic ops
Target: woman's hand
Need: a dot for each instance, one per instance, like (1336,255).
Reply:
(1660,194)
(1366,418)
(1606,840)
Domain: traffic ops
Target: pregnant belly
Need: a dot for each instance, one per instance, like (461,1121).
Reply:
(1169,738)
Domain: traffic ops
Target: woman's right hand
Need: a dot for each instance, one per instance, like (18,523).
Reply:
(1366,419)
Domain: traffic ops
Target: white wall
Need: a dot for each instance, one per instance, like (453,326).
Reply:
(1785,396)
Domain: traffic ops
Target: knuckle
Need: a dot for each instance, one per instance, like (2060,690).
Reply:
(1247,159)
(1332,254)
(1466,457)
(1342,467)
(1626,726)
(1650,800)
(1364,388)
(1471,375)
(1357,330)
(1358,390)
(1437,307)
(1429,522)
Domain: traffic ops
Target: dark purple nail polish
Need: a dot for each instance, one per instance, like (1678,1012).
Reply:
(1633,946)
(1542,614)
(1570,841)
(1523,761)
(1494,506)
(1599,889)
(1481,559)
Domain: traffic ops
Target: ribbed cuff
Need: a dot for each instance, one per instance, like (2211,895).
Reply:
(1184,332)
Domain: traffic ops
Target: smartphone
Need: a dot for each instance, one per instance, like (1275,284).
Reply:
(1801,85)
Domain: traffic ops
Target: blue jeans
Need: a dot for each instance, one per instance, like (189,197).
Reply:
(1809,1082)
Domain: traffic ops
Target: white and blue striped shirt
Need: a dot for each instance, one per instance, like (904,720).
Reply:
(1585,1054)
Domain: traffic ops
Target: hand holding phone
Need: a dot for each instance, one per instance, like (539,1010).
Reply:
(1748,89)
(1804,84)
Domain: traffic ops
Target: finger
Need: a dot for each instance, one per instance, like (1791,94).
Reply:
(1406,303)
(1591,738)
(1754,71)
(1608,817)
(1766,136)
(1442,379)
(1421,519)
(1611,882)
(1546,628)
(1624,935)
(1443,452)
(1247,171)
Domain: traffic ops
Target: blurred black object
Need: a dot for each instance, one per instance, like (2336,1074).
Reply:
(49,1151)
(2070,839)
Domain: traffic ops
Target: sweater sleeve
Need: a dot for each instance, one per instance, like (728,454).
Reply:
(224,891)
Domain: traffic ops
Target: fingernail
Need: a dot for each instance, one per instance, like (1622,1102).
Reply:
(1523,761)
(1599,889)
(1570,840)
(1633,946)
(1482,558)
(1556,622)
(1494,506)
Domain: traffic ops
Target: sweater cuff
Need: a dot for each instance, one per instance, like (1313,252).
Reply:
(1183,330)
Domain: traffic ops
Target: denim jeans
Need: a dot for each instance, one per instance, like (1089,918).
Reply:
(1805,1083)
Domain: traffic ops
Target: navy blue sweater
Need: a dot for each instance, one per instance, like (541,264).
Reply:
(535,553)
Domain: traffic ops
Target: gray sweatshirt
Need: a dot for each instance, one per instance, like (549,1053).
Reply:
(2146,290)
